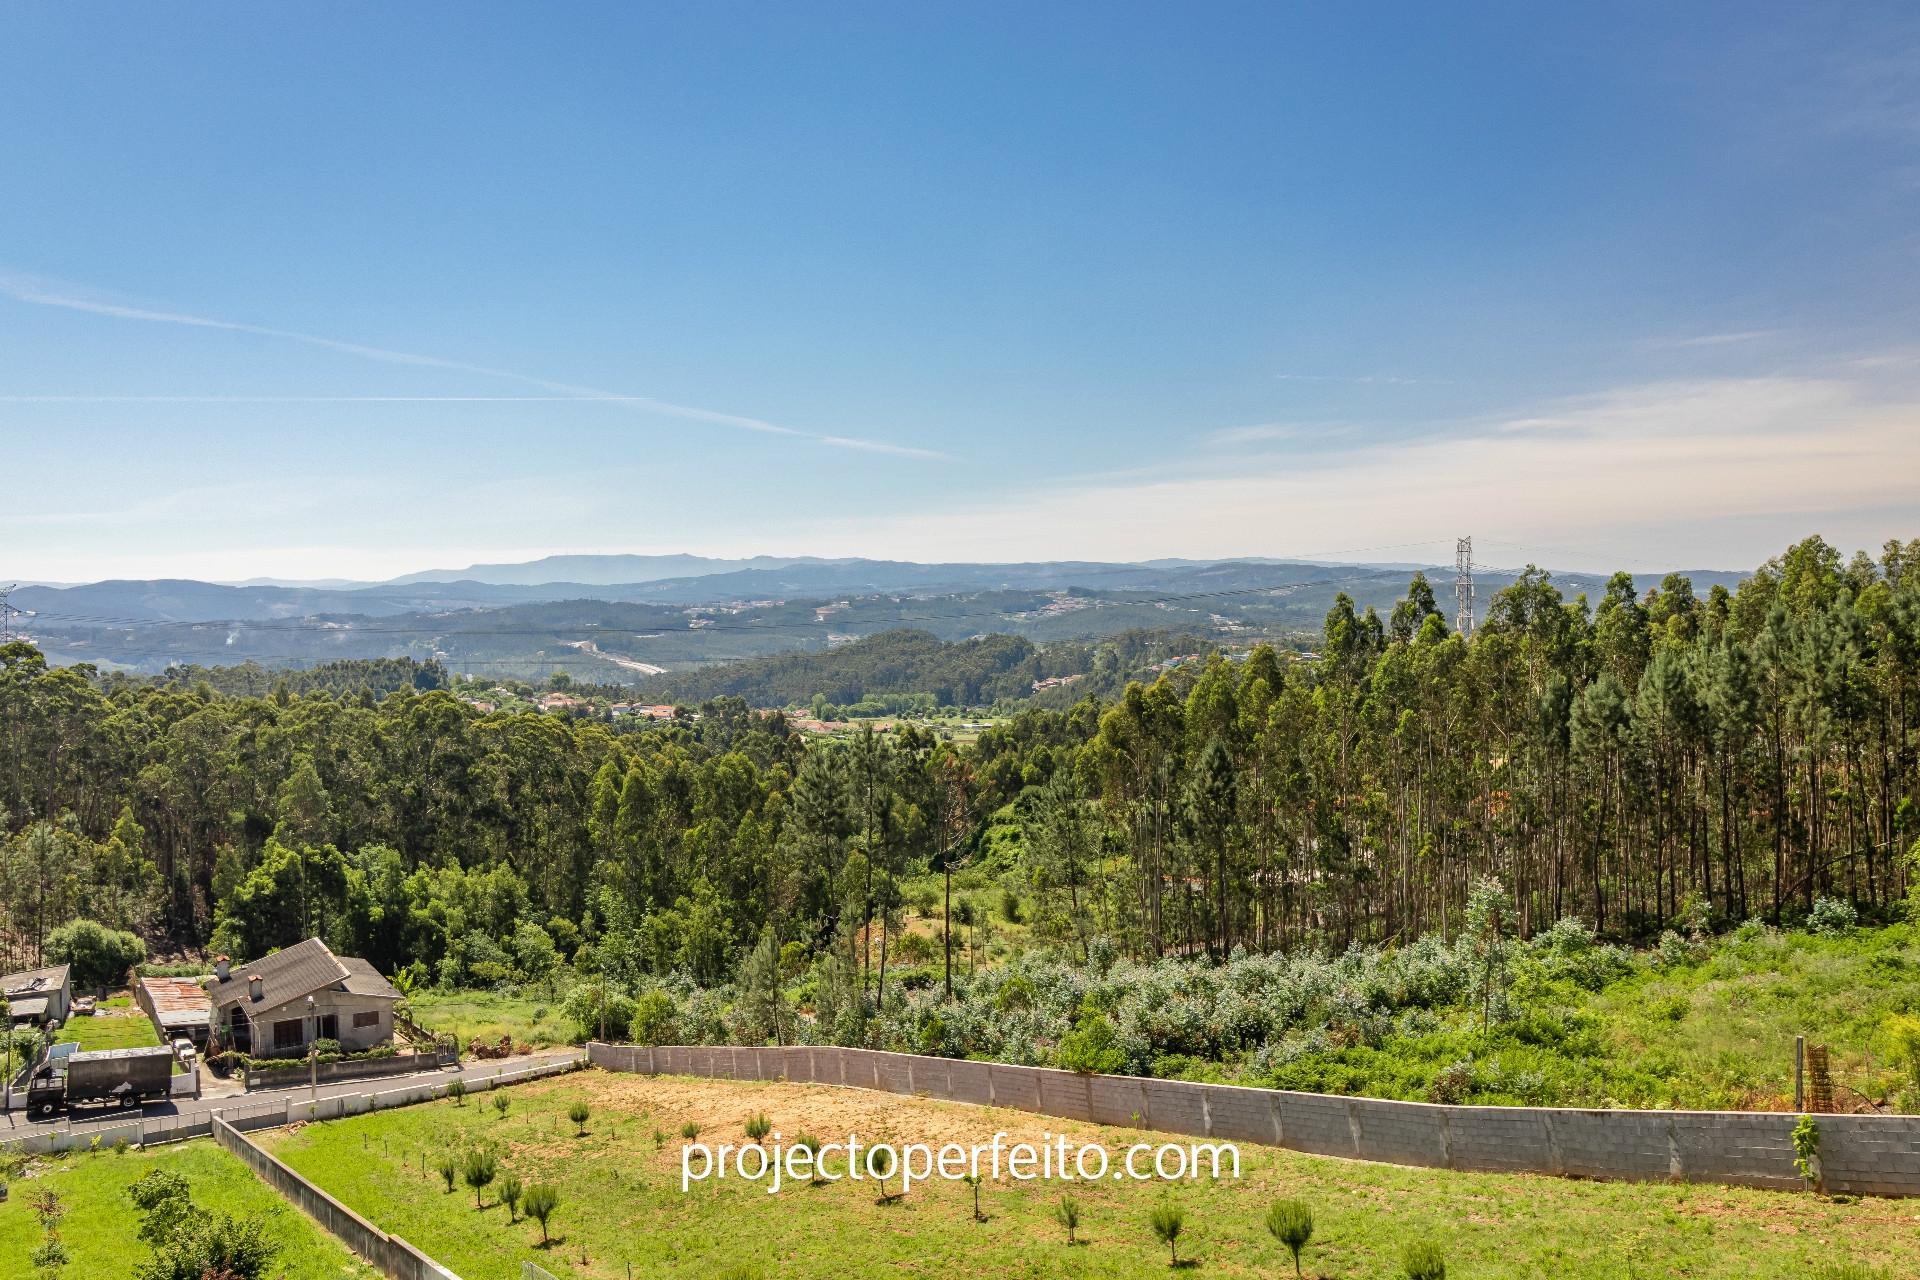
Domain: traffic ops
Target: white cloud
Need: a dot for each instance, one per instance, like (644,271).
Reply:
(1733,338)
(1715,472)
(45,294)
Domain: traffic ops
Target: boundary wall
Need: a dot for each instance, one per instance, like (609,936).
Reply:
(1862,1155)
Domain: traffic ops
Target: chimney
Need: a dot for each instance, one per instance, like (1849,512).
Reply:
(221,967)
(256,986)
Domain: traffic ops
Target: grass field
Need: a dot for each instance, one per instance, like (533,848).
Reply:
(620,1201)
(110,1029)
(100,1228)
(488,1015)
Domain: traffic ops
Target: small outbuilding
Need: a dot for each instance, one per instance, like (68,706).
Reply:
(178,1008)
(39,996)
(279,1004)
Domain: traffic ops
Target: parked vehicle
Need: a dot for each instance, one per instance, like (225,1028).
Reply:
(116,1077)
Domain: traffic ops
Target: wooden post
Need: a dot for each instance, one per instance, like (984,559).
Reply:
(1799,1074)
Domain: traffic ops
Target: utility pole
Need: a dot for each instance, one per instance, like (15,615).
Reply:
(1463,587)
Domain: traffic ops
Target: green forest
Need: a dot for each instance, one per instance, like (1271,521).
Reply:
(1649,766)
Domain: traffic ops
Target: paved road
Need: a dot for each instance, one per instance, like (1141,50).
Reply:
(18,1123)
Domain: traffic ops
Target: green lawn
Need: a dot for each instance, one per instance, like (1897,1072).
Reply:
(488,1015)
(101,1231)
(116,1030)
(620,1202)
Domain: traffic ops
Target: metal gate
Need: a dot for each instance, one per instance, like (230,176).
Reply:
(530,1272)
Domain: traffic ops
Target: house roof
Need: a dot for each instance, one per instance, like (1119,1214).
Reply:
(27,1007)
(365,980)
(301,969)
(177,1002)
(35,981)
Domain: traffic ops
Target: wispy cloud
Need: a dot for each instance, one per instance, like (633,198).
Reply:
(66,297)
(1730,470)
(1360,379)
(1274,432)
(1729,339)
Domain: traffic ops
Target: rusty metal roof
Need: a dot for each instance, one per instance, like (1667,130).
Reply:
(178,1002)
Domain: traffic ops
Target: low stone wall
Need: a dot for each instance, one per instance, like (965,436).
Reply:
(1870,1155)
(264,1113)
(392,1255)
(293,1076)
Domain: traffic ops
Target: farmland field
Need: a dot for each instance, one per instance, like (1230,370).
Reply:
(100,1228)
(488,1015)
(621,1203)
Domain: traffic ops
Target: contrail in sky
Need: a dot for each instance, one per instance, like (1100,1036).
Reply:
(22,290)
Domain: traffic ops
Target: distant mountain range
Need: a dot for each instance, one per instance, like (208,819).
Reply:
(601,570)
(677,579)
(504,622)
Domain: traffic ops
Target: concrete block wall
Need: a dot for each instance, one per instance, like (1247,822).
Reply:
(1868,1155)
(392,1255)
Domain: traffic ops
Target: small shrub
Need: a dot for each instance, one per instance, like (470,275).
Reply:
(973,1180)
(578,1113)
(659,1138)
(1424,1261)
(880,1162)
(1832,917)
(457,1090)
(1168,1220)
(758,1126)
(1010,906)
(1291,1223)
(1903,1037)
(1453,1083)
(541,1201)
(500,1104)
(448,1171)
(478,1172)
(1806,1150)
(120,1145)
(690,1130)
(510,1190)
(1092,1047)
(50,1255)
(1067,1214)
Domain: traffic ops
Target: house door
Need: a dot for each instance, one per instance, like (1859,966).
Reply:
(329,1026)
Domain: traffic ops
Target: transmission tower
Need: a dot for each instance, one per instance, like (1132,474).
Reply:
(1463,585)
(7,611)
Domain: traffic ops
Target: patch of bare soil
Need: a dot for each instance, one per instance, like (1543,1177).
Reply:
(828,1112)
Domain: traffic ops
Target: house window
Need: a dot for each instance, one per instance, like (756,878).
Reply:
(371,1018)
(290,1034)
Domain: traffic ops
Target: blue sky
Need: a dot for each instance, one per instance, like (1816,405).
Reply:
(350,290)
